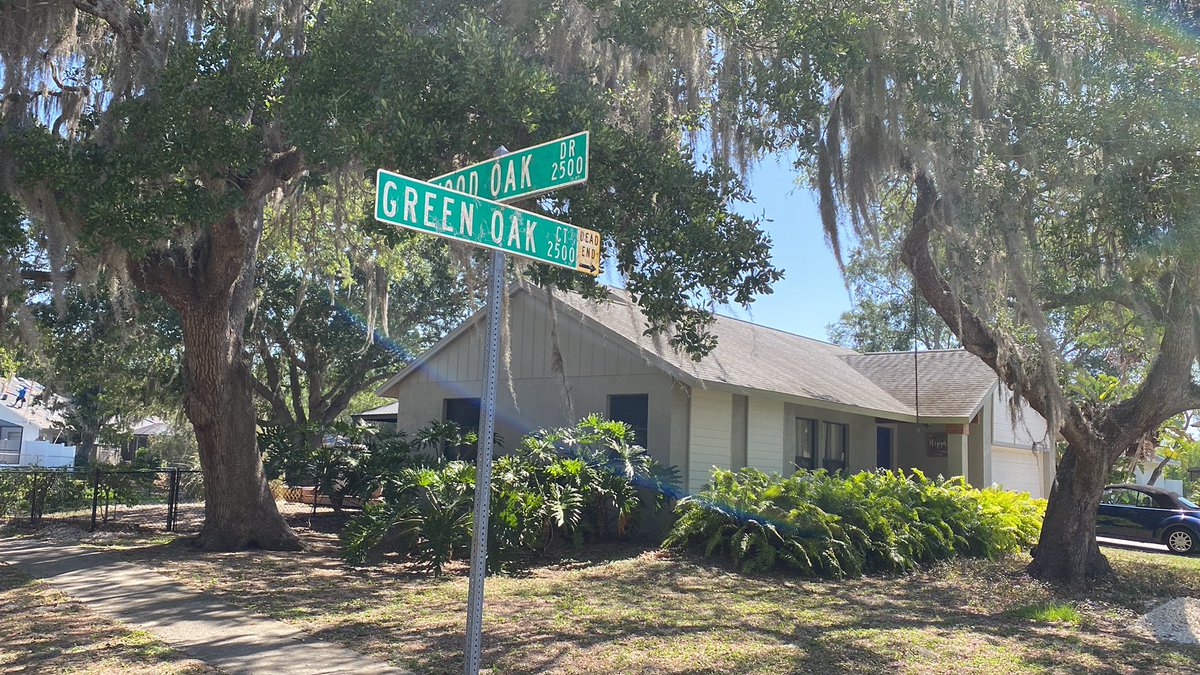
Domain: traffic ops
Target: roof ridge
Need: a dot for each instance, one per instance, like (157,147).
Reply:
(919,351)
(626,296)
(785,332)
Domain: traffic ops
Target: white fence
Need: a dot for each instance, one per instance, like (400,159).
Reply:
(47,454)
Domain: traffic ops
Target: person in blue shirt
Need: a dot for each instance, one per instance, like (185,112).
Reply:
(20,396)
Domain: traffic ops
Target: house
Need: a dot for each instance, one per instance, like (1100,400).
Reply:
(383,417)
(1143,470)
(140,434)
(29,429)
(763,398)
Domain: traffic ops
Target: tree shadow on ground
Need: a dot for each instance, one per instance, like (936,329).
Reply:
(626,609)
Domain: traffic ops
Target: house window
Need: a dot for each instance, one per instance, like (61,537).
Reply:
(10,445)
(634,410)
(465,413)
(806,444)
(835,447)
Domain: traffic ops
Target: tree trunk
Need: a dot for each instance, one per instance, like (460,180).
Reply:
(239,511)
(1067,551)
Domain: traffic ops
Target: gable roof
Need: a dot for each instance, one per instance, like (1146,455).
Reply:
(953,384)
(950,382)
(747,356)
(37,411)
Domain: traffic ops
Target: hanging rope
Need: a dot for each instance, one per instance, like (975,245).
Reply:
(916,378)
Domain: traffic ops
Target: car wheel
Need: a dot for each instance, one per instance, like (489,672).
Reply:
(1180,540)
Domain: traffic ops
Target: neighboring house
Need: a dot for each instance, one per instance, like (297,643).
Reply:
(383,417)
(29,432)
(763,398)
(142,432)
(1144,469)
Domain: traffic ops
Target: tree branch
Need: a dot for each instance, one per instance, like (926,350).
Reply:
(1113,294)
(118,15)
(1168,388)
(976,337)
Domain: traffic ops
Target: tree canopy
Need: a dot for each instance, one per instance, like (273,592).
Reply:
(1050,150)
(887,312)
(150,143)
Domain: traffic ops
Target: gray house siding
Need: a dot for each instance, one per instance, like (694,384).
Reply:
(596,368)
(711,414)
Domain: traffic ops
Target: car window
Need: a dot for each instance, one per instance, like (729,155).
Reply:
(1125,497)
(1162,502)
(1187,503)
(1114,497)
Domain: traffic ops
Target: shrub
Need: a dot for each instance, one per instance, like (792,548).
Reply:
(574,485)
(828,525)
(426,514)
(12,492)
(341,459)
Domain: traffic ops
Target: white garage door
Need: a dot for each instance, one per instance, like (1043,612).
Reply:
(1018,470)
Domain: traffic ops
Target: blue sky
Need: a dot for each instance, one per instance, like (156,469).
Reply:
(811,294)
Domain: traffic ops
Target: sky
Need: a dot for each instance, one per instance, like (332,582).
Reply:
(811,294)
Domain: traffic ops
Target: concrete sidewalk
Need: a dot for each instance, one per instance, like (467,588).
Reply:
(200,625)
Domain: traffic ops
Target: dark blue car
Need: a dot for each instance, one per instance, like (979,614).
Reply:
(1144,513)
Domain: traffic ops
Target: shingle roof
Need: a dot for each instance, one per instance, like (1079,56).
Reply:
(952,382)
(38,409)
(757,357)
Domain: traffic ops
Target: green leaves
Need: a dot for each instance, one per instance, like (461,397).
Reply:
(823,525)
(575,484)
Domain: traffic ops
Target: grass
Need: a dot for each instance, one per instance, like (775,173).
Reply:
(629,610)
(1049,612)
(46,632)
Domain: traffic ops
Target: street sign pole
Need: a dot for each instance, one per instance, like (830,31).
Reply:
(470,205)
(483,464)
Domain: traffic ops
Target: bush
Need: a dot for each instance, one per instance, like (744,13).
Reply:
(565,485)
(426,514)
(818,524)
(42,491)
(342,459)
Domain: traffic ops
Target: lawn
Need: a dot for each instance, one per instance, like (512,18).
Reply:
(46,632)
(629,610)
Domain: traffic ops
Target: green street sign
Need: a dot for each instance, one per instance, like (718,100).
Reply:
(425,207)
(524,173)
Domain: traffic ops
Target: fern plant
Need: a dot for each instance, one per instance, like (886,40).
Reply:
(814,523)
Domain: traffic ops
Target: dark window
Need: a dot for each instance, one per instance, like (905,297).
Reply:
(883,447)
(806,444)
(835,447)
(634,410)
(465,413)
(10,445)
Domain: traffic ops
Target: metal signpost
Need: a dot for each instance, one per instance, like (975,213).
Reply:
(465,205)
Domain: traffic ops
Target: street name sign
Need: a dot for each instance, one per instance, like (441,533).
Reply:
(524,173)
(426,207)
(466,205)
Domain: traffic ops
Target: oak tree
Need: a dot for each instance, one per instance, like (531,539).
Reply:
(1051,152)
(146,141)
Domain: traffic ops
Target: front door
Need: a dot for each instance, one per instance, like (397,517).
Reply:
(883,447)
